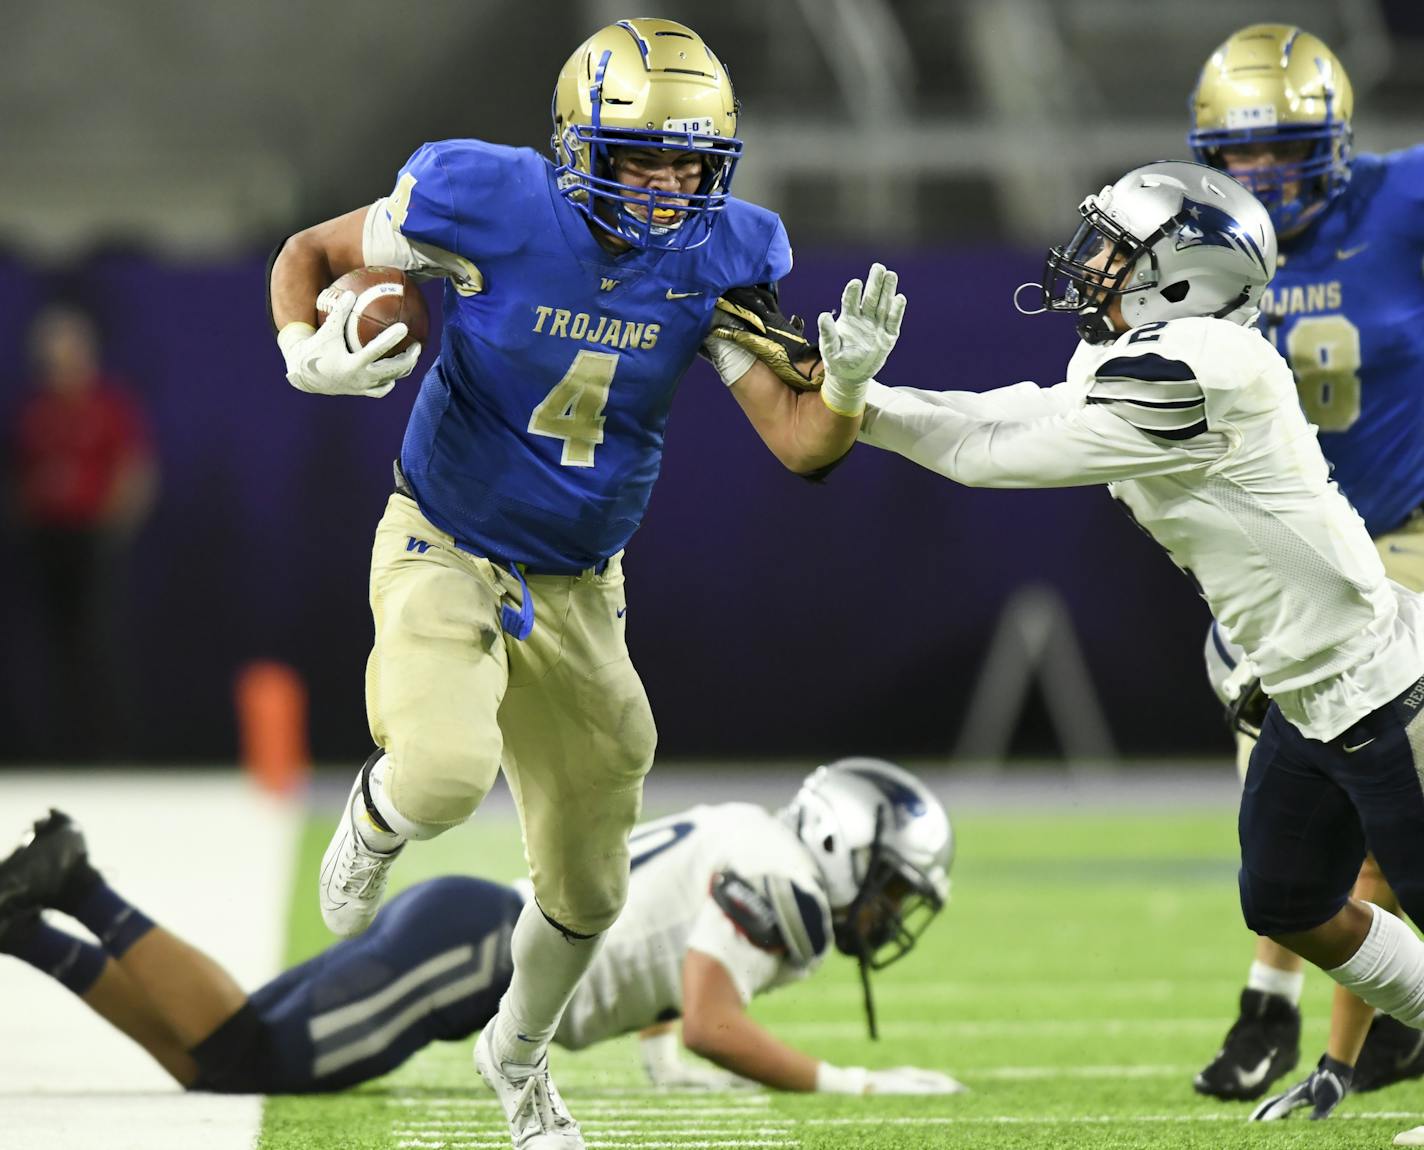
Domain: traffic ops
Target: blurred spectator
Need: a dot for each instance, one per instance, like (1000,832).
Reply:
(84,481)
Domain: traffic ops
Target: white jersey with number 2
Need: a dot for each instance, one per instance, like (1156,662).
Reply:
(1196,428)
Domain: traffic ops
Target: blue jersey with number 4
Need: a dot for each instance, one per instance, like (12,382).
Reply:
(1347,310)
(538,433)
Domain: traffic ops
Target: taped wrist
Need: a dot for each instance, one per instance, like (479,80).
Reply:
(841,1079)
(731,360)
(844,398)
(659,1053)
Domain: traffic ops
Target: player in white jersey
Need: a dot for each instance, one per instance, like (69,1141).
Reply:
(1191,419)
(725,902)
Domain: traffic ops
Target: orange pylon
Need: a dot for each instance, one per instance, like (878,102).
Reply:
(271,701)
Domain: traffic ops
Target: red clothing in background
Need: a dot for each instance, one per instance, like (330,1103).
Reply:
(70,449)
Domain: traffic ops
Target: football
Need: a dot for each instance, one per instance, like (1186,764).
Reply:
(383,296)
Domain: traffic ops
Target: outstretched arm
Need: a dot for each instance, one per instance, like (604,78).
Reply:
(1069,443)
(715,1024)
(797,426)
(810,430)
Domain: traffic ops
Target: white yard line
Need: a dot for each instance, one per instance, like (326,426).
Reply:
(1086,1119)
(990,1027)
(206,855)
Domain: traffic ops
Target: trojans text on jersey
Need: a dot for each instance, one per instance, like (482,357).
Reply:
(609,330)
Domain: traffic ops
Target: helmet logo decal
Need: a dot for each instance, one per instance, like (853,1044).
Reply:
(1205,225)
(904,802)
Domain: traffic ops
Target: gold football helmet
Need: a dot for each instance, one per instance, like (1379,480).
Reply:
(1275,84)
(645,83)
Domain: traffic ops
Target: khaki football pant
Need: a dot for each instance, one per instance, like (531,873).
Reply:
(450,695)
(1403,553)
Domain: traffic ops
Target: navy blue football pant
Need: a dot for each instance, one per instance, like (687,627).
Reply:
(1310,811)
(432,966)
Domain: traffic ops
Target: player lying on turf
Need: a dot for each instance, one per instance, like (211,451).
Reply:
(726,902)
(1192,419)
(1273,108)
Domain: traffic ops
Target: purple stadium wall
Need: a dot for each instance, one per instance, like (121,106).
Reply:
(768,615)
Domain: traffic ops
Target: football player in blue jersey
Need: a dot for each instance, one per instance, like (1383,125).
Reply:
(577,294)
(726,902)
(1273,106)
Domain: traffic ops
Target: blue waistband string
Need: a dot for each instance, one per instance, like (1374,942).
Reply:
(518,623)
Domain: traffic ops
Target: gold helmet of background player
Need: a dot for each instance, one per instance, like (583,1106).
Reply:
(1274,84)
(650,84)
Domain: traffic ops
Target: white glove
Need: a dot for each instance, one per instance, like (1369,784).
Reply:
(667,1071)
(856,343)
(318,360)
(901,1080)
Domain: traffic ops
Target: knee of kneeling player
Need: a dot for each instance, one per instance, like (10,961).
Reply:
(440,786)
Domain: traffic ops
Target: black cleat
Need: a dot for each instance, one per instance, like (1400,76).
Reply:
(49,869)
(1392,1053)
(17,923)
(1262,1044)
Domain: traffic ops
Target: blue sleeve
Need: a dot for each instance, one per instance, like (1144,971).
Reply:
(1405,188)
(465,195)
(778,254)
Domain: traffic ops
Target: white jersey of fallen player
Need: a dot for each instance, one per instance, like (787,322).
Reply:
(1196,428)
(770,927)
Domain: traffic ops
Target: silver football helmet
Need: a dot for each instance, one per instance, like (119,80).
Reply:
(884,846)
(1170,240)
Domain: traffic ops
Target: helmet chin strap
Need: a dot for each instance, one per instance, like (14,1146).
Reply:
(1095,327)
(865,987)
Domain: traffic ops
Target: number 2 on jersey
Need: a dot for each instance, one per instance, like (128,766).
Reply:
(573,410)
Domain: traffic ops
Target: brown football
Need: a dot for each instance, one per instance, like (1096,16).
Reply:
(383,296)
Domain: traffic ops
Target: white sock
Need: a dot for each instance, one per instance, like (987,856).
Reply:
(1285,984)
(1388,969)
(547,968)
(402,828)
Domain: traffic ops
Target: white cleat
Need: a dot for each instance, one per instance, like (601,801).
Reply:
(1413,1137)
(538,1118)
(353,876)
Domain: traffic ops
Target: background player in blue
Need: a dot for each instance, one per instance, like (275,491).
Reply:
(1273,107)
(578,292)
(727,902)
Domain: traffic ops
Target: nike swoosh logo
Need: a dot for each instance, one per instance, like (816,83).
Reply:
(1252,1078)
(1350,253)
(681,294)
(622,611)
(1356,747)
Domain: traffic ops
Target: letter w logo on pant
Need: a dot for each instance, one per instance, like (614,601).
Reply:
(414,544)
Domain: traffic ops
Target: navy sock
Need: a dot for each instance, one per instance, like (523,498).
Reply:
(112,920)
(68,960)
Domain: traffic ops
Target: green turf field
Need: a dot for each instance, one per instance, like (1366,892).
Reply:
(1085,967)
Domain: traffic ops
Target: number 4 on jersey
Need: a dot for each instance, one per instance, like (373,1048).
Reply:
(573,410)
